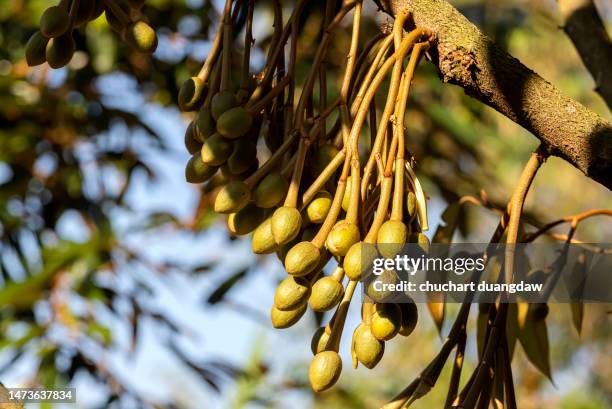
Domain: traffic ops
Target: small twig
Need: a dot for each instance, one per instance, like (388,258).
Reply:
(577,218)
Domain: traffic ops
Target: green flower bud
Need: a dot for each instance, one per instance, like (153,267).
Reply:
(59,50)
(216,150)
(324,370)
(342,237)
(302,259)
(243,157)
(292,293)
(204,125)
(234,122)
(35,49)
(421,239)
(317,210)
(368,350)
(359,259)
(221,102)
(319,340)
(245,220)
(387,277)
(285,319)
(263,240)
(191,94)
(326,294)
(193,146)
(286,224)
(232,197)
(391,238)
(346,199)
(271,190)
(411,203)
(386,321)
(410,318)
(141,37)
(54,22)
(197,171)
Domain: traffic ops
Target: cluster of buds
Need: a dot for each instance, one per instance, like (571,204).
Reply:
(312,199)
(54,42)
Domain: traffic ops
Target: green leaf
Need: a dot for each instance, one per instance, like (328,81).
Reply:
(512,329)
(445,231)
(481,330)
(578,275)
(533,335)
(219,294)
(436,309)
(577,309)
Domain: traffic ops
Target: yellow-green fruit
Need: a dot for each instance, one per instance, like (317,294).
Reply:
(347,195)
(321,158)
(324,370)
(317,210)
(191,94)
(59,50)
(271,190)
(263,240)
(410,318)
(386,321)
(204,125)
(302,259)
(35,49)
(368,349)
(359,259)
(141,37)
(326,294)
(285,319)
(420,239)
(216,150)
(232,197)
(244,155)
(54,22)
(291,293)
(391,238)
(234,122)
(286,224)
(221,102)
(376,289)
(197,171)
(342,237)
(319,340)
(191,143)
(245,220)
(411,203)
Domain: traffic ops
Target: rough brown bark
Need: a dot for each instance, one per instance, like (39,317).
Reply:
(465,57)
(584,27)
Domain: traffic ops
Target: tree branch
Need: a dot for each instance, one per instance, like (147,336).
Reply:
(584,27)
(465,57)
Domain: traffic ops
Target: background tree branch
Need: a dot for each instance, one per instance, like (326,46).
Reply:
(583,25)
(466,57)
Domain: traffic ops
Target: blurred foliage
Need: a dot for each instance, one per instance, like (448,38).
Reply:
(67,152)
